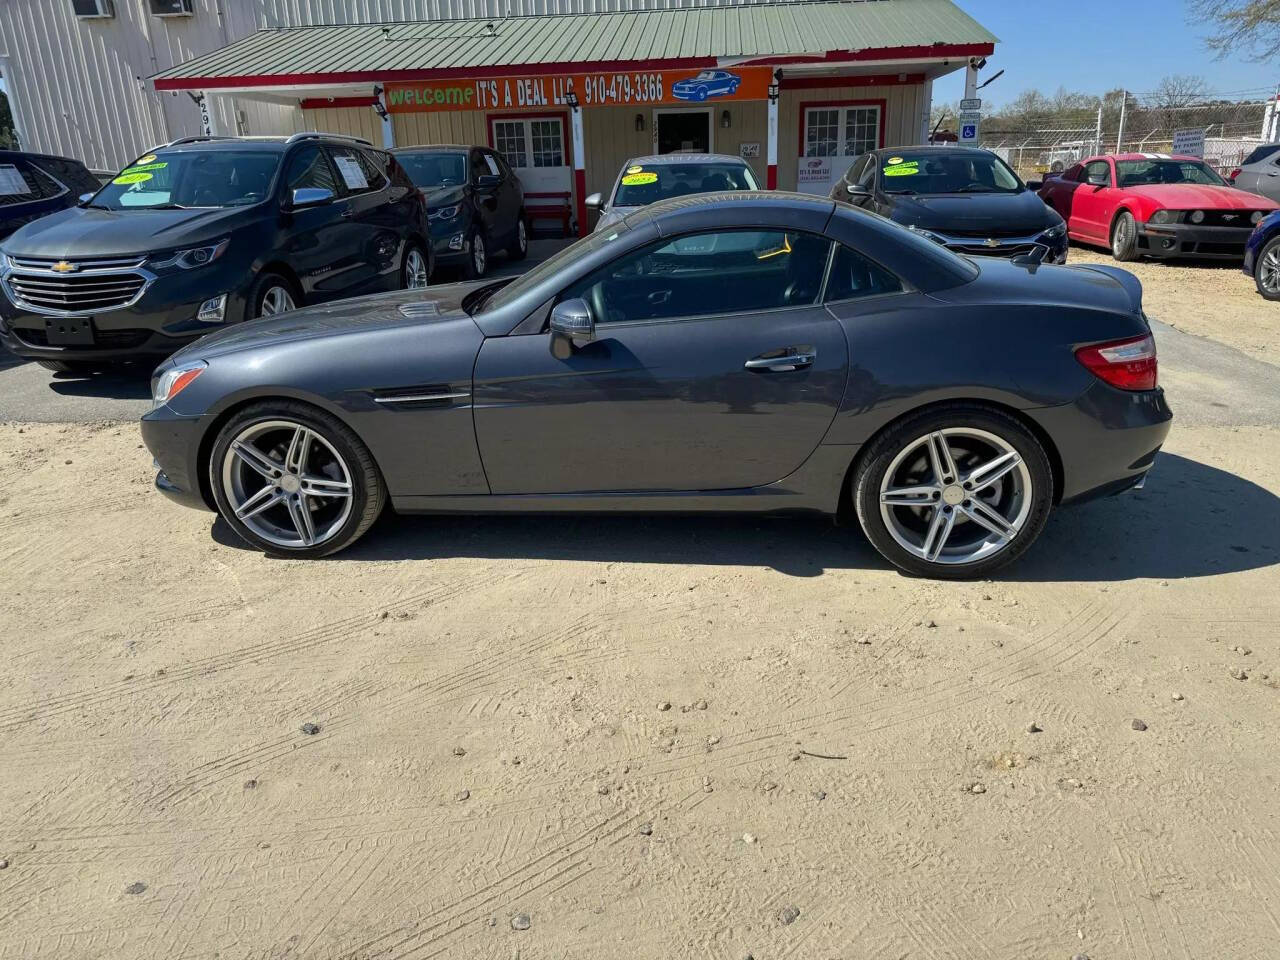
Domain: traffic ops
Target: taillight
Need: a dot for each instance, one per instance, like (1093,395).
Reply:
(1129,364)
(1234,173)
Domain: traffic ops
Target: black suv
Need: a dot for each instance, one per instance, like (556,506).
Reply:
(207,231)
(33,185)
(475,204)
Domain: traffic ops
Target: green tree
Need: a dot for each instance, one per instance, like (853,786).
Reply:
(7,137)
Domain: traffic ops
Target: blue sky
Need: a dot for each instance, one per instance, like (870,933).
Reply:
(1095,46)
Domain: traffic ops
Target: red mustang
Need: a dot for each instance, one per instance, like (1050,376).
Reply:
(1155,205)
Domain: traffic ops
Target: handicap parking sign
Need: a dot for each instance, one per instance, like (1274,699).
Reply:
(969,131)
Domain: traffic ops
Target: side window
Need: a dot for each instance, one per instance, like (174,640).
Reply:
(855,172)
(491,163)
(373,169)
(868,177)
(353,169)
(308,167)
(1098,168)
(853,277)
(707,274)
(21,182)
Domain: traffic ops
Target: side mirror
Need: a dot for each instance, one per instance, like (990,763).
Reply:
(1099,180)
(311,197)
(857,190)
(571,321)
(86,197)
(1035,185)
(594,201)
(487,181)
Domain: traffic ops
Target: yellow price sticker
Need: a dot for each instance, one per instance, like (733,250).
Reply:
(635,169)
(126,179)
(894,160)
(639,179)
(149,158)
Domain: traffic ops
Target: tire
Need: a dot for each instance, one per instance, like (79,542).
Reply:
(271,294)
(1124,238)
(899,459)
(415,270)
(519,248)
(474,267)
(71,366)
(274,522)
(1266,270)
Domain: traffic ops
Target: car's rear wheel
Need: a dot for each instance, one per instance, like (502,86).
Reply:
(476,262)
(293,480)
(1266,271)
(1124,238)
(954,492)
(519,248)
(415,273)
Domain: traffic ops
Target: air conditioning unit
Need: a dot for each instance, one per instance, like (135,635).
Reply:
(172,8)
(93,9)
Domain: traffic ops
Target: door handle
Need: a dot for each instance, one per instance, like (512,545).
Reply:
(659,296)
(348,212)
(784,363)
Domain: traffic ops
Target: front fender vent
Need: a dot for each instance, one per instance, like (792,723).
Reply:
(423,395)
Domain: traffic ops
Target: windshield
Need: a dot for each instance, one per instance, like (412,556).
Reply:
(932,172)
(548,267)
(215,178)
(641,185)
(435,169)
(1138,173)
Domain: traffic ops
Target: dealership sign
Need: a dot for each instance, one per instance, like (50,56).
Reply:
(649,88)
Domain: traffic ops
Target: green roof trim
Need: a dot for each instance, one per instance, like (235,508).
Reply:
(849,30)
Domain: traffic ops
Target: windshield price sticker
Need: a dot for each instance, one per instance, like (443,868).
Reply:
(635,169)
(639,179)
(901,169)
(144,167)
(126,179)
(894,161)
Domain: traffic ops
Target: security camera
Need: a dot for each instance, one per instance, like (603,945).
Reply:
(977,62)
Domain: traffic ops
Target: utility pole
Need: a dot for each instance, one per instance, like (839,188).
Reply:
(1124,102)
(1097,137)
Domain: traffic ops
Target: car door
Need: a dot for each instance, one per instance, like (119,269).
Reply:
(370,241)
(687,384)
(1267,177)
(509,195)
(312,236)
(486,198)
(1093,203)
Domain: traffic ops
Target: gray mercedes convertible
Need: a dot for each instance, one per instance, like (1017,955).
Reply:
(748,352)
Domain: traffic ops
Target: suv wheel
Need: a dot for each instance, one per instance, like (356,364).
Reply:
(519,248)
(293,480)
(477,260)
(954,492)
(272,294)
(416,271)
(1266,272)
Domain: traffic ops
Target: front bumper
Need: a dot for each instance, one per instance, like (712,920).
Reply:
(174,442)
(159,323)
(1169,240)
(1107,440)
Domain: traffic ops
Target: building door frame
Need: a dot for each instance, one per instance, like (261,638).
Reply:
(549,191)
(711,125)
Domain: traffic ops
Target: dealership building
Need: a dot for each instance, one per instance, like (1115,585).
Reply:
(567,90)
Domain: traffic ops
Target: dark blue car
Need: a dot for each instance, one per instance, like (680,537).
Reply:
(33,185)
(1262,256)
(709,83)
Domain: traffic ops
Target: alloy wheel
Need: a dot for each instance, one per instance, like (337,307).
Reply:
(956,495)
(478,258)
(1269,270)
(522,236)
(287,483)
(415,269)
(276,300)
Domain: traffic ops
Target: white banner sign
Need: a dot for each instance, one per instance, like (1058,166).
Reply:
(814,170)
(1189,143)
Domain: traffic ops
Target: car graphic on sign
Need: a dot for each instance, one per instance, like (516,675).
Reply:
(709,83)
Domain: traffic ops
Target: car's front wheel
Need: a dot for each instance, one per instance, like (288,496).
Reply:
(1124,238)
(476,263)
(1266,272)
(954,492)
(293,480)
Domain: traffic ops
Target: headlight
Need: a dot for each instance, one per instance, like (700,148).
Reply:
(444,213)
(1197,216)
(1257,217)
(1056,231)
(173,381)
(194,257)
(1164,216)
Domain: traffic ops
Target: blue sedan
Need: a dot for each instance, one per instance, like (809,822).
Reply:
(709,83)
(1262,256)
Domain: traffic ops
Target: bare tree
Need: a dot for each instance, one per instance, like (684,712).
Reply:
(1179,90)
(1241,27)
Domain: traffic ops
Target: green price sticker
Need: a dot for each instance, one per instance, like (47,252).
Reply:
(125,179)
(902,170)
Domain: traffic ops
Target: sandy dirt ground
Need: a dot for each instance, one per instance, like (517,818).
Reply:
(1204,297)
(560,738)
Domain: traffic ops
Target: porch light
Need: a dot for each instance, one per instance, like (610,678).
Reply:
(773,89)
(639,123)
(571,98)
(726,120)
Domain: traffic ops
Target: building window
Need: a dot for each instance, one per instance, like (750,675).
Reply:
(548,143)
(841,131)
(508,140)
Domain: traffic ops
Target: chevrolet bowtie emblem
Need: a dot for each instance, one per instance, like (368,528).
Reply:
(63,266)
(992,242)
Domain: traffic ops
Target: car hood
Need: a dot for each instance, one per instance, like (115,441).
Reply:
(1190,196)
(330,320)
(974,211)
(89,232)
(443,196)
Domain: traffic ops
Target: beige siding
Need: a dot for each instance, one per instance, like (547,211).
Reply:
(609,139)
(902,118)
(412,129)
(351,121)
